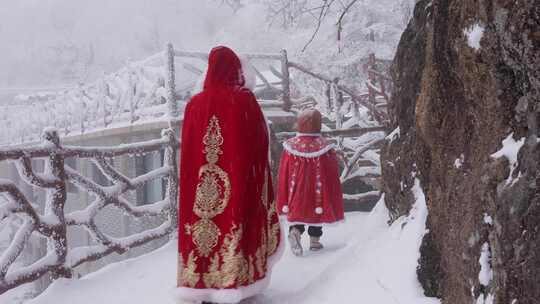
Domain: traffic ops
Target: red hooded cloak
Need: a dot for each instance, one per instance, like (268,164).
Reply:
(228,224)
(309,189)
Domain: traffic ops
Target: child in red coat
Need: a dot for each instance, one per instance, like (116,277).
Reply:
(309,189)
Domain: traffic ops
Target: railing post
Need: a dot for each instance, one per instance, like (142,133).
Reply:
(131,95)
(371,78)
(63,118)
(372,94)
(170,160)
(287,104)
(171,88)
(83,110)
(328,94)
(55,202)
(104,94)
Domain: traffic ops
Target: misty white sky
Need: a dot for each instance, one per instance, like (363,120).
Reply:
(44,42)
(61,42)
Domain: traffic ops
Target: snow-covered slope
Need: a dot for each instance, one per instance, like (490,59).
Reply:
(365,261)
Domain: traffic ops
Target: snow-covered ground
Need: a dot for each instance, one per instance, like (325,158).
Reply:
(365,261)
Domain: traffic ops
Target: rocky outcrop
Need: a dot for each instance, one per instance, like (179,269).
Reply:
(467,105)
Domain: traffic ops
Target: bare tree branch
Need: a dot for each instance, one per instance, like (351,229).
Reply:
(324,10)
(345,11)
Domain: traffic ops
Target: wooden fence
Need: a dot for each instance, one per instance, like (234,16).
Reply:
(53,223)
(142,91)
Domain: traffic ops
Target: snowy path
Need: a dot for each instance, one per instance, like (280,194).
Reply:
(148,279)
(364,262)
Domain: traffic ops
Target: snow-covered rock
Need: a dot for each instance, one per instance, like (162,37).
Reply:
(474,35)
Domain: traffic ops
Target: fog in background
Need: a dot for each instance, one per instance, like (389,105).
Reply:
(54,43)
(57,42)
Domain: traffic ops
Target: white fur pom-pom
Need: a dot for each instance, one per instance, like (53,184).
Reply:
(285,209)
(318,210)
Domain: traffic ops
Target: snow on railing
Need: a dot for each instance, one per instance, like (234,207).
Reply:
(271,84)
(148,90)
(54,222)
(133,94)
(357,121)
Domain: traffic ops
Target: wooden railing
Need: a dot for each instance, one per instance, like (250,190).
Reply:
(342,108)
(53,223)
(370,98)
(147,90)
(281,88)
(142,91)
(134,94)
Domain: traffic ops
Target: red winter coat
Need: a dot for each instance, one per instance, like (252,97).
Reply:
(228,224)
(309,190)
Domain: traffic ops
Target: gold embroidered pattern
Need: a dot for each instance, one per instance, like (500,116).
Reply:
(213,276)
(273,240)
(179,270)
(213,140)
(212,194)
(264,195)
(261,253)
(205,236)
(229,266)
(273,229)
(260,256)
(251,270)
(235,265)
(189,276)
(234,268)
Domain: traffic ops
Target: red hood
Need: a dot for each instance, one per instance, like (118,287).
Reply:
(224,69)
(309,121)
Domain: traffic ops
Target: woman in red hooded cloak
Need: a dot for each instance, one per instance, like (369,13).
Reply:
(228,229)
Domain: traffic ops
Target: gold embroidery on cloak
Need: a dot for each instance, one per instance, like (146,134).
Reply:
(264,194)
(273,229)
(189,276)
(261,253)
(180,270)
(235,265)
(212,197)
(260,256)
(251,270)
(212,194)
(213,277)
(235,268)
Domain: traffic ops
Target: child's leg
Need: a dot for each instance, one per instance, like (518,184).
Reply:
(295,237)
(315,231)
(300,228)
(315,234)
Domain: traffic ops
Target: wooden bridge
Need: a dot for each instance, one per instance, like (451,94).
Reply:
(101,182)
